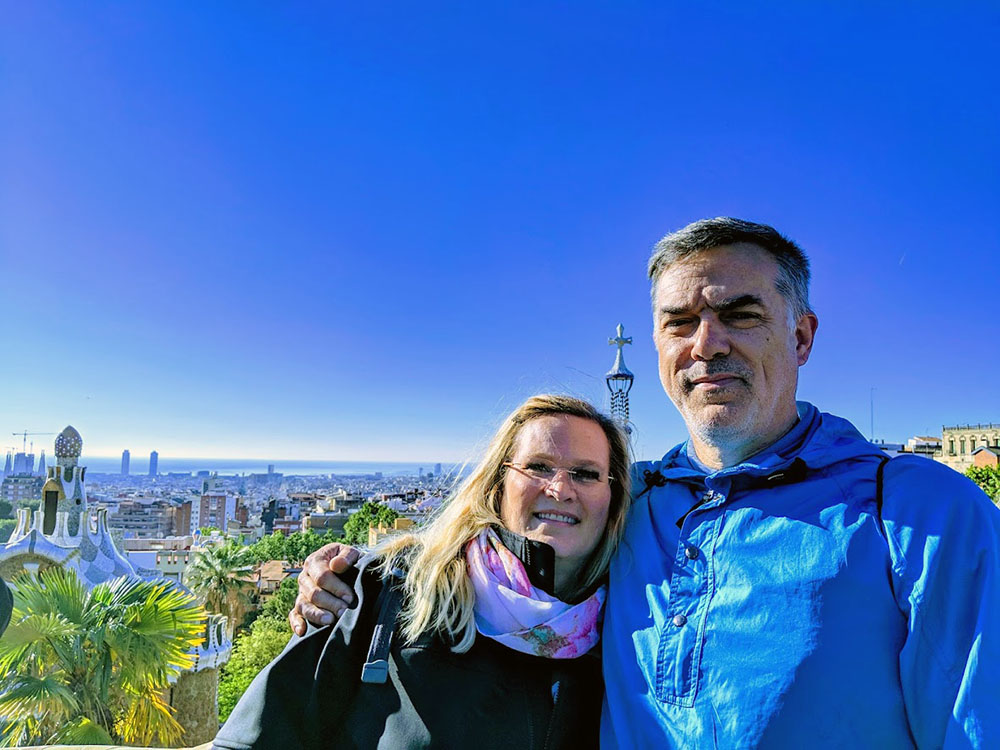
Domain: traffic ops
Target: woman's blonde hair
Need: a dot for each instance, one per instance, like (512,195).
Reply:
(439,597)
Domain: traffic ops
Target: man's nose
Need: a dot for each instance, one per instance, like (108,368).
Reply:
(710,340)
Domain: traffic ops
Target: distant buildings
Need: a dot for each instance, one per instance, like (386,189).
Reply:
(145,518)
(21,483)
(20,489)
(24,464)
(378,533)
(64,532)
(986,456)
(924,445)
(213,509)
(154,464)
(126,459)
(960,443)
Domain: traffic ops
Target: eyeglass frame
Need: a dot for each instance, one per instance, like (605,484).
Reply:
(520,469)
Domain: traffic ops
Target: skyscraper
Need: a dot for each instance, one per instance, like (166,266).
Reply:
(126,459)
(154,463)
(41,465)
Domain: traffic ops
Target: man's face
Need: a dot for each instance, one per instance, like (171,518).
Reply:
(729,351)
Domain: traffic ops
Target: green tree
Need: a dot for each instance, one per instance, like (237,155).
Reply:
(370,514)
(270,547)
(6,509)
(252,651)
(281,601)
(221,576)
(79,666)
(301,544)
(987,477)
(7,526)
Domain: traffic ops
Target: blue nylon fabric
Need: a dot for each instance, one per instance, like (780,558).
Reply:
(798,624)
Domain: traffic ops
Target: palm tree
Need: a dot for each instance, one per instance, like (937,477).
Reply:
(220,575)
(93,666)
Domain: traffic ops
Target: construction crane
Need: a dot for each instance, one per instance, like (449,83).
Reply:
(24,438)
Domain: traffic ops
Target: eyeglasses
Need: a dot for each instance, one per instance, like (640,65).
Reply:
(583,478)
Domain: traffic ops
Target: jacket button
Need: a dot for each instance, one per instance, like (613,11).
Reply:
(680,620)
(691,553)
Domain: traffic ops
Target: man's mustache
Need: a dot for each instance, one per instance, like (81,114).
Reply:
(722,366)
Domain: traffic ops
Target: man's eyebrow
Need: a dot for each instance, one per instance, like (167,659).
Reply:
(730,303)
(744,300)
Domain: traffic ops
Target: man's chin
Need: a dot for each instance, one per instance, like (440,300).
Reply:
(722,417)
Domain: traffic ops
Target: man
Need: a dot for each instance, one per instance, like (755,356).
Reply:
(780,583)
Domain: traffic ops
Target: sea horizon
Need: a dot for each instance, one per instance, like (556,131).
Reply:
(237,466)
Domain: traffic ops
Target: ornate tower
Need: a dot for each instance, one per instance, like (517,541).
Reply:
(619,380)
(64,489)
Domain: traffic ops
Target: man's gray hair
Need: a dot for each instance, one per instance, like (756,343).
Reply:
(793,266)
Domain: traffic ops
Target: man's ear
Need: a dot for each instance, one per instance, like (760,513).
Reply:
(805,334)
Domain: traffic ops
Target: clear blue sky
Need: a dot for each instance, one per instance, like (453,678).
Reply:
(366,231)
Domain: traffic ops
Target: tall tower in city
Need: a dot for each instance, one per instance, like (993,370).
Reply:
(126,459)
(41,465)
(619,380)
(154,464)
(8,466)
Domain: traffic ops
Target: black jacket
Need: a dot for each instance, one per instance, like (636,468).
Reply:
(312,696)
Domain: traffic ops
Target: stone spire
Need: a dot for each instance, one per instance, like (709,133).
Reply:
(619,380)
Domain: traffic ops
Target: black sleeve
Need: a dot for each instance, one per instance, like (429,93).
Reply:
(272,712)
(300,698)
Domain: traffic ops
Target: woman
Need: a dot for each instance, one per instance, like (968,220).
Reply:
(495,604)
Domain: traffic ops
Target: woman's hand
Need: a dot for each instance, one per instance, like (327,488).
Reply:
(323,596)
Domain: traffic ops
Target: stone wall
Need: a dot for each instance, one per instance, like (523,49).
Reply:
(195,699)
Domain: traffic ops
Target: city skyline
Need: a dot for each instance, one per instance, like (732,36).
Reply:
(373,241)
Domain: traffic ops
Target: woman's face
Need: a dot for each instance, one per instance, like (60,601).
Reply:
(568,515)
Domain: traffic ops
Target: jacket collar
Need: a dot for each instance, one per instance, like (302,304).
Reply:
(538,558)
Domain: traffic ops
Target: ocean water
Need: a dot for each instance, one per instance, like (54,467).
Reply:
(167,464)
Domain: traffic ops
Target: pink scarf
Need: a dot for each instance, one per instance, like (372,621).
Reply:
(513,612)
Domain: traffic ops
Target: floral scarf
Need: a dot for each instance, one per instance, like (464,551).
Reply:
(513,612)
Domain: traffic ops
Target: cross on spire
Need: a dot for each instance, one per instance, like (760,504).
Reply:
(620,340)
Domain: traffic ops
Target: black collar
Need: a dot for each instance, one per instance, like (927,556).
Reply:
(538,558)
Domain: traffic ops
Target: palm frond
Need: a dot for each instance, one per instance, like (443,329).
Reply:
(25,696)
(148,718)
(53,590)
(81,731)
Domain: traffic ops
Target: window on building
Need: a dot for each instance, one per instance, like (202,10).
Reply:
(972,444)
(961,446)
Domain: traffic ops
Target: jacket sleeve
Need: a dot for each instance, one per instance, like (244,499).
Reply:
(272,711)
(299,697)
(944,539)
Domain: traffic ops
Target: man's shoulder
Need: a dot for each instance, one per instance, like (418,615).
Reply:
(927,495)
(668,460)
(916,476)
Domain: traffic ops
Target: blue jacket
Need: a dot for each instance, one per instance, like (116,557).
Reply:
(782,612)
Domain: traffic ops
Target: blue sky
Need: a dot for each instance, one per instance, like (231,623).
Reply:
(344,232)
